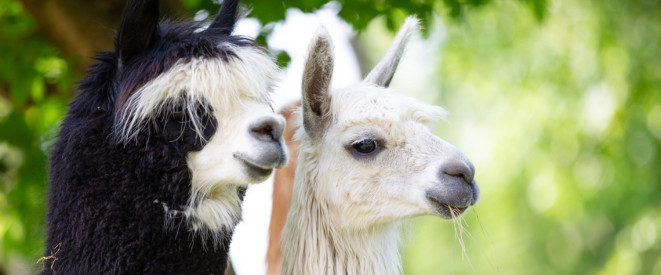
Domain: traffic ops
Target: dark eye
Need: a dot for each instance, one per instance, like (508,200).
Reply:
(365,146)
(177,116)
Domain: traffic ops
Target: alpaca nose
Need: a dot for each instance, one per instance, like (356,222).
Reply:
(268,129)
(461,169)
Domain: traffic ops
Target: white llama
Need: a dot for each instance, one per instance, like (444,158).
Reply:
(367,160)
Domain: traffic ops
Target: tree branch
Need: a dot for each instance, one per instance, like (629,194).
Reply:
(79,28)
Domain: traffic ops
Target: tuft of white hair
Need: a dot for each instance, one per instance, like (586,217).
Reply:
(210,83)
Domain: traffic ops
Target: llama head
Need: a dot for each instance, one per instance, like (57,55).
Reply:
(204,91)
(375,158)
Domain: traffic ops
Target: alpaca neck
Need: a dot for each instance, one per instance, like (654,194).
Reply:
(315,243)
(106,207)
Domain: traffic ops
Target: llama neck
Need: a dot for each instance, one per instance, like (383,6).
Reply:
(315,243)
(106,207)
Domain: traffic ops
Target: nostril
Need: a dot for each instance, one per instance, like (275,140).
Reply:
(460,170)
(267,129)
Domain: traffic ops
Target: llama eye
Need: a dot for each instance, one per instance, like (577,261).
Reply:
(365,146)
(178,116)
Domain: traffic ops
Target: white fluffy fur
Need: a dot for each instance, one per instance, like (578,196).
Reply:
(346,211)
(216,171)
(238,92)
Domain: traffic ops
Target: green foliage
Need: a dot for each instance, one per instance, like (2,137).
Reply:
(562,121)
(361,12)
(34,86)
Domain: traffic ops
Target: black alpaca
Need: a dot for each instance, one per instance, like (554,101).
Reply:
(153,156)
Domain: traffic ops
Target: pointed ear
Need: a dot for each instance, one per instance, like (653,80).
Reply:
(316,83)
(383,72)
(226,18)
(138,28)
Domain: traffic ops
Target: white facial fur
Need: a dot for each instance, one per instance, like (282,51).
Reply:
(407,175)
(237,91)
(217,166)
(391,184)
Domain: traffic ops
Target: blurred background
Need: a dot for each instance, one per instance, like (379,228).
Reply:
(557,103)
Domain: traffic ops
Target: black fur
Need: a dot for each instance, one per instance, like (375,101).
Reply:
(224,22)
(106,202)
(138,28)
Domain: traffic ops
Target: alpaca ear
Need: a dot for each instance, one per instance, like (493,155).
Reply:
(383,72)
(316,83)
(226,18)
(138,28)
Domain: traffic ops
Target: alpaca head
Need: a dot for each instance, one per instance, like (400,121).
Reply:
(374,157)
(206,92)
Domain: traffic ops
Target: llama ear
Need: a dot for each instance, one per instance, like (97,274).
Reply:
(316,83)
(383,72)
(138,28)
(226,18)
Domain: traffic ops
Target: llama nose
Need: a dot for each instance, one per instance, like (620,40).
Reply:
(267,129)
(459,169)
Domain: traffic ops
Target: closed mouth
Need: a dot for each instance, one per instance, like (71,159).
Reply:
(257,171)
(254,169)
(447,211)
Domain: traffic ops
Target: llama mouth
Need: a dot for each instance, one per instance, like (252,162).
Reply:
(447,211)
(256,171)
(254,168)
